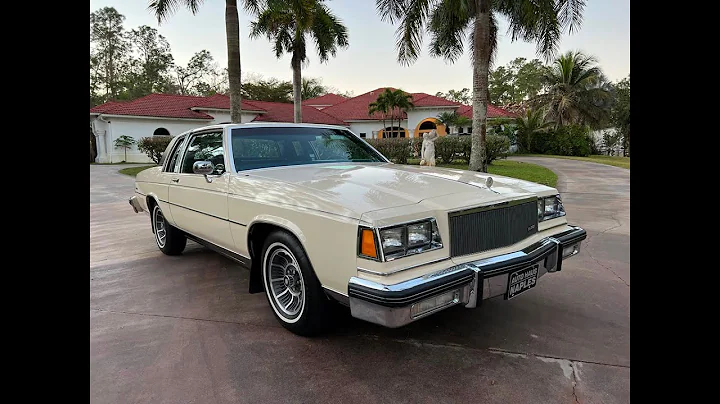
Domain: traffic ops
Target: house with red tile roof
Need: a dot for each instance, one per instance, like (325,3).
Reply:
(324,101)
(171,114)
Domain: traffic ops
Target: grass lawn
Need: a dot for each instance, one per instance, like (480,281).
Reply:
(132,171)
(617,161)
(508,168)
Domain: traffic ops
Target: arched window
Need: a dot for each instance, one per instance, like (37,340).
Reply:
(427,125)
(394,131)
(161,132)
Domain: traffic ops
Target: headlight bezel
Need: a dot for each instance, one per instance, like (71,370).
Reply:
(405,250)
(557,211)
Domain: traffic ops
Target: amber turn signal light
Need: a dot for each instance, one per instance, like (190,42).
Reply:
(367,244)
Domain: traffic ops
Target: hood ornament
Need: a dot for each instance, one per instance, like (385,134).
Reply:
(488,184)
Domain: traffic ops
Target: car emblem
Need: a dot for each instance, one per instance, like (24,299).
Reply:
(531,227)
(488,182)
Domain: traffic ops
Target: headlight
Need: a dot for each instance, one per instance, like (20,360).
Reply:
(403,240)
(550,208)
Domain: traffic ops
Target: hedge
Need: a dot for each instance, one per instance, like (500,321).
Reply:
(571,140)
(447,148)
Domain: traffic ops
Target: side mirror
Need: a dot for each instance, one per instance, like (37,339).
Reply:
(204,168)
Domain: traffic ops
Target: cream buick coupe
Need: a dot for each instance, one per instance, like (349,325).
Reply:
(318,215)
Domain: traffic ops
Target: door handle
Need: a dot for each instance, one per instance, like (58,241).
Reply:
(176,180)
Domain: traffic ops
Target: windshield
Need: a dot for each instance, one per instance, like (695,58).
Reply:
(287,146)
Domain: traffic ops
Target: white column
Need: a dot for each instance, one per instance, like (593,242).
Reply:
(101,148)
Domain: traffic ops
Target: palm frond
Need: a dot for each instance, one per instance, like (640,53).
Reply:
(328,32)
(253,6)
(391,10)
(448,23)
(409,34)
(541,21)
(163,9)
(570,13)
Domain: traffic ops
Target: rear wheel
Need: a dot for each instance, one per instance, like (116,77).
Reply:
(291,287)
(170,240)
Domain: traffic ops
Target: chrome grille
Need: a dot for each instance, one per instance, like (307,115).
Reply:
(485,228)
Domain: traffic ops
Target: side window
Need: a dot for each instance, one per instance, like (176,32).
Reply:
(170,166)
(205,147)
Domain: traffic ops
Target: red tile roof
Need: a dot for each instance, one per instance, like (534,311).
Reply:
(356,108)
(284,112)
(169,106)
(222,101)
(104,107)
(427,100)
(181,106)
(327,99)
(492,112)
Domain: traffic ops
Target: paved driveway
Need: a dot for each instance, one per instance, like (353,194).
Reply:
(185,330)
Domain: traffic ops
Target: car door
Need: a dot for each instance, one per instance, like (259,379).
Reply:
(199,204)
(169,163)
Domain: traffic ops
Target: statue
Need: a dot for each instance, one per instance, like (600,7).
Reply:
(428,148)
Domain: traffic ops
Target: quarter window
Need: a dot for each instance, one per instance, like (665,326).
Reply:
(205,147)
(176,151)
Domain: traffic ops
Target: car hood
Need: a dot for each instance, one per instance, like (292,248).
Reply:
(363,188)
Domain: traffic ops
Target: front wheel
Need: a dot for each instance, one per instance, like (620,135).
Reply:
(291,287)
(170,240)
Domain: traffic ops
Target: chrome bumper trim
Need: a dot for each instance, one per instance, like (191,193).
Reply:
(135,203)
(391,305)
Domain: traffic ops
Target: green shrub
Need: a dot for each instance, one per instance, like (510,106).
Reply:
(464,148)
(496,146)
(397,149)
(446,148)
(154,146)
(571,140)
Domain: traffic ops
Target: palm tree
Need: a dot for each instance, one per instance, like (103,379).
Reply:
(463,121)
(164,8)
(449,21)
(311,88)
(381,105)
(448,119)
(398,102)
(528,125)
(578,92)
(287,23)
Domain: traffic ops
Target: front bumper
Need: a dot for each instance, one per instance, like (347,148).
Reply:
(469,283)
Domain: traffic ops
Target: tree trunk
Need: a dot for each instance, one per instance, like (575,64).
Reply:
(232,31)
(392,120)
(481,66)
(297,89)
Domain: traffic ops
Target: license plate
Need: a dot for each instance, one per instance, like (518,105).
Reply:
(521,281)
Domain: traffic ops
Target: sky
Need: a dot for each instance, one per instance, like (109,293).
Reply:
(370,61)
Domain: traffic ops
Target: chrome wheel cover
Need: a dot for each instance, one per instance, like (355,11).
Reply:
(284,283)
(160,229)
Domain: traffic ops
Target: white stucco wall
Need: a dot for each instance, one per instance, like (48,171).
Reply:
(415,116)
(224,117)
(137,128)
(373,126)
